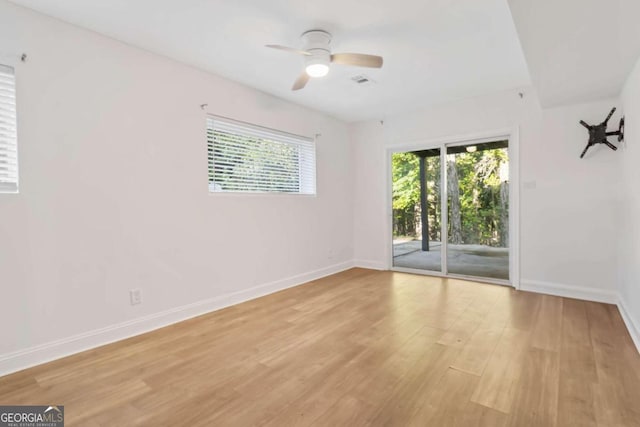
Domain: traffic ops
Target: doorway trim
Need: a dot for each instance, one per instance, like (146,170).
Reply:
(512,135)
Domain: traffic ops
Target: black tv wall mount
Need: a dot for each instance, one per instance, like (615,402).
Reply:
(598,133)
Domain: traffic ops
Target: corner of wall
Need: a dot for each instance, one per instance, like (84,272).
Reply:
(633,326)
(628,249)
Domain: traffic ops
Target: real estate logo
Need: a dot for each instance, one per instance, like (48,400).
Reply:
(32,416)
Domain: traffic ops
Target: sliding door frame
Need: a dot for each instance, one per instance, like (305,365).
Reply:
(512,135)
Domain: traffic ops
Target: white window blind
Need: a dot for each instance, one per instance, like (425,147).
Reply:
(8,133)
(248,158)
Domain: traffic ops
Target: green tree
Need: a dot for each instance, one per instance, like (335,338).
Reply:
(477,196)
(239,162)
(406,193)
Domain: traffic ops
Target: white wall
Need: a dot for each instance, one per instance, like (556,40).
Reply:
(113,192)
(567,228)
(627,224)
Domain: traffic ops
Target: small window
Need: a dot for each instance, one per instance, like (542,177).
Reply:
(8,133)
(248,158)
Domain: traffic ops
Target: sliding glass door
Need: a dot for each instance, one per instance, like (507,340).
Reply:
(478,210)
(417,216)
(451,210)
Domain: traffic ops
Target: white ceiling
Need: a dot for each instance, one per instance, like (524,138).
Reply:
(434,50)
(578,50)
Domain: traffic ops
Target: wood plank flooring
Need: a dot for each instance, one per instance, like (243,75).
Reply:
(359,348)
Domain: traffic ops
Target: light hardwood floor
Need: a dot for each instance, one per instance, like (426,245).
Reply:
(359,348)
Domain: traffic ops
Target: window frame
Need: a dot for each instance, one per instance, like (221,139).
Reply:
(311,151)
(11,63)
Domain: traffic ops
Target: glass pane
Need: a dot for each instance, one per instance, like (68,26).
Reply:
(478,210)
(416,209)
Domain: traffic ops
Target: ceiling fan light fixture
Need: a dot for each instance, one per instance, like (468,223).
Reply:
(317,70)
(318,57)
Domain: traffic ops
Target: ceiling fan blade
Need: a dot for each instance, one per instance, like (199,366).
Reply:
(288,49)
(357,59)
(301,81)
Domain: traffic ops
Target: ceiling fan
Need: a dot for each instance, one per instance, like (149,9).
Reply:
(318,56)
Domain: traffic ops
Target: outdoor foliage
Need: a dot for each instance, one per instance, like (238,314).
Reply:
(406,193)
(243,163)
(477,197)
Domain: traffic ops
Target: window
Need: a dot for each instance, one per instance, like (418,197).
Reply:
(248,158)
(8,133)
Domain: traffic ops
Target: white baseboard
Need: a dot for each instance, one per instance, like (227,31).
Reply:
(47,352)
(588,294)
(569,291)
(633,325)
(373,265)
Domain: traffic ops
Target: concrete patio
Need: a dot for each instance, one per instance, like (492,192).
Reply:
(468,260)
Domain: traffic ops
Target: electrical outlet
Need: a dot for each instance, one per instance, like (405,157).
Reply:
(136,296)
